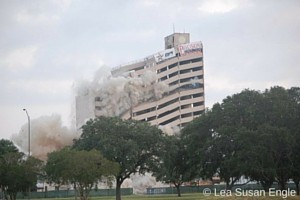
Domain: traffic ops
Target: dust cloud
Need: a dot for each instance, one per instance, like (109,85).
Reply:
(47,134)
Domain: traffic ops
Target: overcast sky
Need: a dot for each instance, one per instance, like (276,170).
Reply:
(46,46)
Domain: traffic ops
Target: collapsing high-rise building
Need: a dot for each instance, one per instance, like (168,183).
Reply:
(165,89)
(180,66)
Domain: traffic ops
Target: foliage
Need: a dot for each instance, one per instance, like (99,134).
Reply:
(175,166)
(7,146)
(249,134)
(83,169)
(134,145)
(16,172)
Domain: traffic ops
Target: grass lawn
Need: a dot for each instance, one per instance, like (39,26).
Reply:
(193,196)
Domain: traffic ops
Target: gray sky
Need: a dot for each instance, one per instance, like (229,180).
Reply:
(46,46)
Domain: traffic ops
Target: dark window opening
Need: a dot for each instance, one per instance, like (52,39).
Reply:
(168,112)
(186,106)
(151,118)
(197,60)
(186,97)
(198,113)
(98,99)
(173,74)
(185,71)
(174,83)
(186,115)
(167,103)
(144,111)
(164,78)
(169,121)
(197,95)
(198,104)
(197,69)
(162,69)
(139,68)
(173,65)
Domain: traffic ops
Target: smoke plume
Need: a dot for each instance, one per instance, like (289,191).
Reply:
(116,95)
(47,135)
(168,130)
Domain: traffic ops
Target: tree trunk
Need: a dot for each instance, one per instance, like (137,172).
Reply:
(297,187)
(227,185)
(12,195)
(282,185)
(178,189)
(266,185)
(118,189)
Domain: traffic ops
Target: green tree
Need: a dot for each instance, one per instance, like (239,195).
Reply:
(83,169)
(175,167)
(294,94)
(195,139)
(17,173)
(282,118)
(250,133)
(7,146)
(133,144)
(269,156)
(224,125)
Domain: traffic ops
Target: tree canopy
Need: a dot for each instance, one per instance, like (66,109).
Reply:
(134,145)
(17,172)
(83,169)
(175,166)
(251,134)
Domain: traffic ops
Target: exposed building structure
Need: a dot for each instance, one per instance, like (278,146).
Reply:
(180,67)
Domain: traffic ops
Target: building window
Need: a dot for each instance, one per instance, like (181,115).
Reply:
(173,65)
(164,78)
(197,95)
(151,118)
(98,99)
(198,104)
(185,80)
(184,62)
(167,103)
(144,111)
(186,106)
(186,115)
(197,60)
(185,71)
(168,112)
(174,83)
(186,97)
(173,74)
(198,113)
(197,69)
(139,68)
(162,69)
(169,121)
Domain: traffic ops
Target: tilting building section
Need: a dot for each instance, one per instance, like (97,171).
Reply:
(180,66)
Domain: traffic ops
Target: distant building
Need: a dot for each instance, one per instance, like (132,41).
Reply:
(180,66)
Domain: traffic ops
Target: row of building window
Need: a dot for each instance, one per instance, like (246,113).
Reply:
(181,108)
(195,114)
(184,62)
(184,71)
(186,97)
(169,111)
(190,86)
(186,80)
(184,87)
